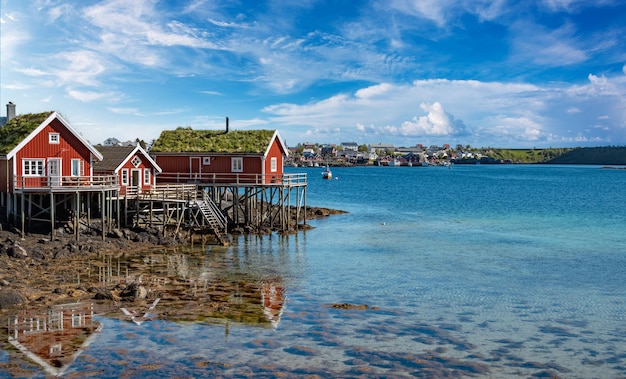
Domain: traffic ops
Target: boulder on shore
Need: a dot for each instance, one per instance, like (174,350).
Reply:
(11,298)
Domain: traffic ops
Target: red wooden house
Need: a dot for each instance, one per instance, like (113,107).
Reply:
(135,170)
(210,156)
(43,150)
(46,171)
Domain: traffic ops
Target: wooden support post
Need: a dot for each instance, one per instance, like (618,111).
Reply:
(52,216)
(22,213)
(103,214)
(166,212)
(77,215)
(30,210)
(117,209)
(89,210)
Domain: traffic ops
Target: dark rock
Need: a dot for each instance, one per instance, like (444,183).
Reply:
(16,251)
(103,295)
(133,292)
(117,234)
(11,298)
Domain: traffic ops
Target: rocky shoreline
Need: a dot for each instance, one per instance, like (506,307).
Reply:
(37,271)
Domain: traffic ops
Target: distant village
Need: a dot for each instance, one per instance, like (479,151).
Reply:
(351,154)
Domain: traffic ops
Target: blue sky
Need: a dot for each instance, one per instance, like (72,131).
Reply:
(500,73)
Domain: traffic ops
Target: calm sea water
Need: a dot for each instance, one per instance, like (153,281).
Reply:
(475,271)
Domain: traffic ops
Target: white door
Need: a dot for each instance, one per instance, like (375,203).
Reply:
(54,171)
(135,180)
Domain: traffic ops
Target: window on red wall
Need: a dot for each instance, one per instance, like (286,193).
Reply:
(274,164)
(237,164)
(124,176)
(32,167)
(146,176)
(54,138)
(78,167)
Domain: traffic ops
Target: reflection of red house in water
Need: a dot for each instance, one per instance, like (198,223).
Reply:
(53,338)
(273,303)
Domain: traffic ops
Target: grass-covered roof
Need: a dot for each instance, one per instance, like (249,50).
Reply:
(18,128)
(187,140)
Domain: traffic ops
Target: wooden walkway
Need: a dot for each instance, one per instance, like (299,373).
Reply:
(217,207)
(210,202)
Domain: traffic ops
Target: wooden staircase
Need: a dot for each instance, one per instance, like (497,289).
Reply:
(213,217)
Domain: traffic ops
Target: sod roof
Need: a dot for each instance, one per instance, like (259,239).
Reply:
(187,140)
(18,128)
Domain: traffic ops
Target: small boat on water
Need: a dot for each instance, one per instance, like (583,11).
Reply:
(327,174)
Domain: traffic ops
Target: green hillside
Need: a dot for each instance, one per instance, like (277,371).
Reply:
(609,155)
(592,155)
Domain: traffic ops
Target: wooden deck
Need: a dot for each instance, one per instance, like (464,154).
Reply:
(235,179)
(65,184)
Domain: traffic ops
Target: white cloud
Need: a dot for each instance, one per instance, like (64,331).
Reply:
(547,47)
(126,111)
(89,96)
(515,113)
(82,67)
(436,123)
(31,71)
(434,10)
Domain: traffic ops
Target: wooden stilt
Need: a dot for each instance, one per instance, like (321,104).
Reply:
(52,216)
(22,214)
(76,215)
(103,214)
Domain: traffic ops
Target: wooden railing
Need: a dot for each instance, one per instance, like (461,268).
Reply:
(233,178)
(185,192)
(63,182)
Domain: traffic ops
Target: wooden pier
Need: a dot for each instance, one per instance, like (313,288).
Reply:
(214,203)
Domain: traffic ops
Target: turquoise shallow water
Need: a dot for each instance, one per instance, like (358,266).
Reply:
(474,271)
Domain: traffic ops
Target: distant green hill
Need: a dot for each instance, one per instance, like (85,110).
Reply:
(612,155)
(592,155)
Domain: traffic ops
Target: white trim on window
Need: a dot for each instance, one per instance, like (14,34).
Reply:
(136,161)
(146,176)
(124,175)
(273,164)
(206,161)
(236,164)
(78,167)
(54,138)
(33,167)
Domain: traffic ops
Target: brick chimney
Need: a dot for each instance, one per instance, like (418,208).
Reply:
(10,111)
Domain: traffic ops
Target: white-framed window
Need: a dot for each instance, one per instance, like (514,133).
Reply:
(136,161)
(146,176)
(124,176)
(56,349)
(32,167)
(76,320)
(236,164)
(78,167)
(274,164)
(206,161)
(54,138)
